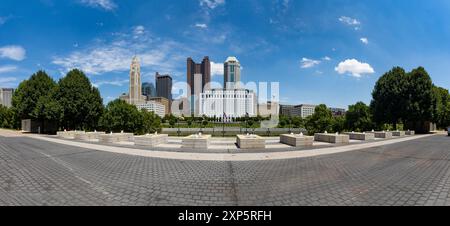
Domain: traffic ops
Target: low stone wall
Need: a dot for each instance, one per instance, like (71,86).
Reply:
(88,136)
(116,137)
(383,135)
(151,140)
(297,140)
(332,138)
(68,134)
(230,131)
(250,142)
(398,133)
(361,136)
(410,133)
(196,142)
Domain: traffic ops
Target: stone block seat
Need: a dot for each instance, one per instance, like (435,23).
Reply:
(250,142)
(360,136)
(382,134)
(88,136)
(297,140)
(68,134)
(196,141)
(151,140)
(333,138)
(116,137)
(410,133)
(398,133)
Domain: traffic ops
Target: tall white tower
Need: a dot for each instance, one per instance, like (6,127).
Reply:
(135,82)
(232,73)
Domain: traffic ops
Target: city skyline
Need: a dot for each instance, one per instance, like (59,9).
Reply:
(328,52)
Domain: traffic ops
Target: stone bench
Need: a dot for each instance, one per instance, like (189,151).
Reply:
(151,140)
(196,142)
(398,133)
(383,135)
(250,142)
(410,133)
(361,136)
(297,140)
(88,136)
(68,134)
(332,138)
(116,137)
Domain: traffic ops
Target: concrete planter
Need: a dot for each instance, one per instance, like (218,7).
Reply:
(361,136)
(151,140)
(297,140)
(68,134)
(383,135)
(116,137)
(410,133)
(88,136)
(398,133)
(196,142)
(332,138)
(250,142)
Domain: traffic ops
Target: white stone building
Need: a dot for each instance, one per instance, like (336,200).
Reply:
(154,106)
(234,103)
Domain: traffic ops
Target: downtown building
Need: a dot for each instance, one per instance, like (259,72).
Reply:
(6,96)
(135,95)
(198,78)
(232,101)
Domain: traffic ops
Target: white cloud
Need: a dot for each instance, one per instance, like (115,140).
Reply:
(354,67)
(364,40)
(202,26)
(108,5)
(115,56)
(116,82)
(349,21)
(7,80)
(139,30)
(326,58)
(16,53)
(7,68)
(212,4)
(309,63)
(216,69)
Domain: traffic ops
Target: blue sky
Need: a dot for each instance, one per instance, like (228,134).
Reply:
(328,52)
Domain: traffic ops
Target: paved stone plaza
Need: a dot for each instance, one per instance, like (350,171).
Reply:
(36,172)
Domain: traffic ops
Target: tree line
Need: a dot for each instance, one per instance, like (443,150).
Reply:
(73,103)
(399,98)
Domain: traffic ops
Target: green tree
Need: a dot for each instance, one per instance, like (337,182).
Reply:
(6,117)
(320,121)
(35,99)
(297,122)
(420,103)
(338,124)
(441,114)
(358,118)
(118,116)
(151,122)
(390,97)
(82,102)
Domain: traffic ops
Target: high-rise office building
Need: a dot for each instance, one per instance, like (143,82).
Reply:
(203,69)
(148,90)
(198,79)
(135,95)
(232,73)
(164,86)
(6,96)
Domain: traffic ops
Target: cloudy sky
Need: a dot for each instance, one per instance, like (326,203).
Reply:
(320,51)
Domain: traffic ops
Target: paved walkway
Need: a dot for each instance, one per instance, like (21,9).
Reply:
(227,156)
(38,172)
